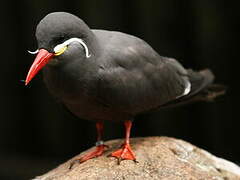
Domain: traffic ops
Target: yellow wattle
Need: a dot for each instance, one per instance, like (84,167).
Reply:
(61,51)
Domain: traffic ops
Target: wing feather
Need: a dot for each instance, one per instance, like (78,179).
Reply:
(136,78)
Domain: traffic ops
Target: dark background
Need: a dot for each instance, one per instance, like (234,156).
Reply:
(36,135)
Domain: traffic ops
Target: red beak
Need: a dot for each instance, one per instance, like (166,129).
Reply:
(40,61)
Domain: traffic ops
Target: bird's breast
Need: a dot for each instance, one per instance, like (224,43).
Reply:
(79,96)
(63,84)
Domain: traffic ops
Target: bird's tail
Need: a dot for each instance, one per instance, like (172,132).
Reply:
(202,89)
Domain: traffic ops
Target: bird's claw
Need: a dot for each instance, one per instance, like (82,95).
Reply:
(95,153)
(73,162)
(125,153)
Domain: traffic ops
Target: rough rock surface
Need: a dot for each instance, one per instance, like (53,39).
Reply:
(159,158)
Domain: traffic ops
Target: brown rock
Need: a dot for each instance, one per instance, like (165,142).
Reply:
(159,158)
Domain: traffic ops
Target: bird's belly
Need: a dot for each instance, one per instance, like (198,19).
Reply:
(86,107)
(90,110)
(80,99)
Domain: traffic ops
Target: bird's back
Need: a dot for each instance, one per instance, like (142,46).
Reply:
(132,77)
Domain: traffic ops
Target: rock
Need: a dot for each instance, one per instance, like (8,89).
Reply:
(159,158)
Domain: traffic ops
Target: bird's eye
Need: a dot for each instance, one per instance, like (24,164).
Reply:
(60,39)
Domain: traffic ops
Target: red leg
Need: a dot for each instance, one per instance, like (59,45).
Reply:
(125,153)
(98,151)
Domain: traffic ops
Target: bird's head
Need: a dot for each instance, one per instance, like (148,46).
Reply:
(60,37)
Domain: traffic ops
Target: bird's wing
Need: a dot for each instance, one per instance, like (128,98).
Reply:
(202,89)
(134,78)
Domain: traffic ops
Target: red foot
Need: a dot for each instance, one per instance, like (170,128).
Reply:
(98,151)
(125,153)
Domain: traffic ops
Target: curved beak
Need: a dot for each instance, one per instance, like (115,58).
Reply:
(40,61)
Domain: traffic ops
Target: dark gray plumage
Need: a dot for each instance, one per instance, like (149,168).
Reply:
(123,77)
(111,76)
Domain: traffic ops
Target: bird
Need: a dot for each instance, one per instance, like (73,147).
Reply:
(102,76)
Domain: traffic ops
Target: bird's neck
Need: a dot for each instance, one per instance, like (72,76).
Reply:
(93,44)
(71,80)
(74,78)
